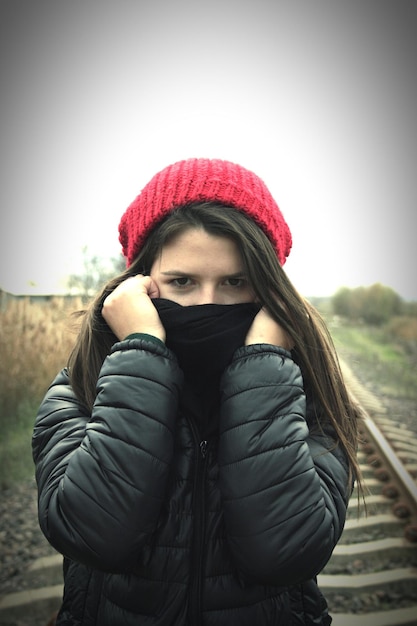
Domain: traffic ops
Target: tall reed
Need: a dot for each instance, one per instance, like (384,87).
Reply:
(35,341)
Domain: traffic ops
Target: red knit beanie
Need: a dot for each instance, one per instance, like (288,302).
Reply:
(203,180)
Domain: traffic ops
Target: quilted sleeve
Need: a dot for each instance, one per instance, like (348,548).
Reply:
(284,491)
(101,477)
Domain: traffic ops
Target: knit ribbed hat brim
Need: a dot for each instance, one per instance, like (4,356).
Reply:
(203,180)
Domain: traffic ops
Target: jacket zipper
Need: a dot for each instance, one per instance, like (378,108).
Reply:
(203,448)
(197,560)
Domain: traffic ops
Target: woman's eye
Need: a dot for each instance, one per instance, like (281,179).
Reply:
(235,282)
(182,281)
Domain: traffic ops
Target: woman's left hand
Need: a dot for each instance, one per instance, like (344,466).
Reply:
(265,329)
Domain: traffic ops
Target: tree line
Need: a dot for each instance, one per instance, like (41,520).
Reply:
(375,305)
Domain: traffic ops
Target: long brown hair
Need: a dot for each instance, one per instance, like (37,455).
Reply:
(314,349)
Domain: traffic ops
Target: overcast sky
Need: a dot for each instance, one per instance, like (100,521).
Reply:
(318,98)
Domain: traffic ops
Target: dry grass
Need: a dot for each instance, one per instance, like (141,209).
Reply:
(35,341)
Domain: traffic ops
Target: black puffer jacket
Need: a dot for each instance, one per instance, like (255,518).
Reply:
(161,528)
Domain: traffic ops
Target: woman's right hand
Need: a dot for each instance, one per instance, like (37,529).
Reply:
(129,308)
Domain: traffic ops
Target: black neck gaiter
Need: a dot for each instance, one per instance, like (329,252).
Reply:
(204,337)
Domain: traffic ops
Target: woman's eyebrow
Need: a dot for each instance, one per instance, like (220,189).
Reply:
(175,273)
(241,274)
(236,275)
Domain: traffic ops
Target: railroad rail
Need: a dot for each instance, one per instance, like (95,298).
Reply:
(371,579)
(373,569)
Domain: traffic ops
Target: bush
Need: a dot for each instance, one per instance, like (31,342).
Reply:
(372,305)
(404,331)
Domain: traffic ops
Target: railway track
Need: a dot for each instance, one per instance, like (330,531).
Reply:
(371,579)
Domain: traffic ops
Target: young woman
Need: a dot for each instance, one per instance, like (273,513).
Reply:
(196,458)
